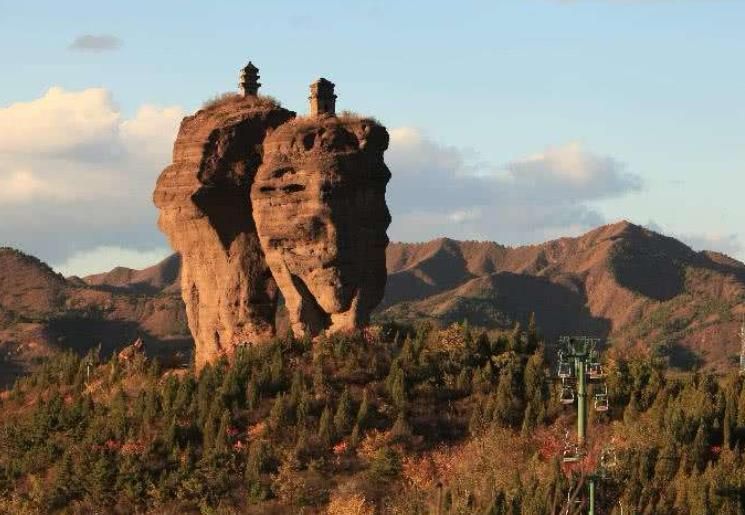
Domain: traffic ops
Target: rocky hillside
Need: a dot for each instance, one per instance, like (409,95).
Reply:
(621,281)
(42,311)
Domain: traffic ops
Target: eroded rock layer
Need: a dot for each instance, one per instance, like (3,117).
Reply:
(319,207)
(205,210)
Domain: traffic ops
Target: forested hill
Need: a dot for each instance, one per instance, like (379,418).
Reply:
(391,422)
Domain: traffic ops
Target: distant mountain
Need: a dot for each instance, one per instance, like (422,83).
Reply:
(622,281)
(42,311)
(162,277)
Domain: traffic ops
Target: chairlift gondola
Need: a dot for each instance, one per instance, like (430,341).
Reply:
(567,395)
(601,399)
(595,370)
(570,456)
(565,368)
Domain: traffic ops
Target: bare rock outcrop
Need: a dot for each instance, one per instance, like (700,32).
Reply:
(320,211)
(205,210)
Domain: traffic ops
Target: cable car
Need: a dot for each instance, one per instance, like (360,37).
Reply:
(567,395)
(570,456)
(601,399)
(565,370)
(595,370)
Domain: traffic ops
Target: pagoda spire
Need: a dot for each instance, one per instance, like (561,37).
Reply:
(249,80)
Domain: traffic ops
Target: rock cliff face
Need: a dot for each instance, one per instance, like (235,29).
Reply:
(205,210)
(320,211)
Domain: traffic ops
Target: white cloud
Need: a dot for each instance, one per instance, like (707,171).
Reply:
(76,173)
(145,132)
(60,122)
(571,168)
(103,259)
(729,244)
(95,43)
(22,186)
(439,190)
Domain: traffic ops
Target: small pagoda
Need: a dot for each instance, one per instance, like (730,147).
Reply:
(322,98)
(249,81)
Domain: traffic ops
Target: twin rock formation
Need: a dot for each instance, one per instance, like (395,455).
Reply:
(260,202)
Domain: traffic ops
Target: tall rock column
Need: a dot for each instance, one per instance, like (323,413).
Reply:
(206,212)
(320,211)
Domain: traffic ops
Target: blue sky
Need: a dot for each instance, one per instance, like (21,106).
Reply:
(486,97)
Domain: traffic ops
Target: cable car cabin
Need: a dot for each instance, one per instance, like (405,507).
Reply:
(567,395)
(595,371)
(601,402)
(565,370)
(570,455)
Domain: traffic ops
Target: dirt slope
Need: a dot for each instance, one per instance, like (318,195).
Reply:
(41,312)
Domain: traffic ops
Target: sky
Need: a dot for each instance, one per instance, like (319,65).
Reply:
(510,120)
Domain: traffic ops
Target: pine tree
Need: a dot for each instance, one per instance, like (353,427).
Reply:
(302,411)
(100,479)
(343,416)
(505,400)
(169,438)
(209,435)
(396,383)
(118,415)
(65,482)
(130,480)
(277,369)
(252,394)
(222,438)
(401,428)
(354,438)
(297,388)
(319,380)
(699,448)
(325,431)
(533,338)
(363,414)
(258,458)
(528,420)
(278,414)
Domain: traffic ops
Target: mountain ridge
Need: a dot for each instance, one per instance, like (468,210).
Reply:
(619,281)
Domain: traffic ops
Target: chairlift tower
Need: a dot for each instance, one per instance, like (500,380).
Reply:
(580,351)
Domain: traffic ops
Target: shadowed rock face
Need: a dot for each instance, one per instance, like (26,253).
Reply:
(320,211)
(205,210)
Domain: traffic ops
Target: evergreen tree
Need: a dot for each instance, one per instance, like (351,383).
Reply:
(343,416)
(354,438)
(325,431)
(222,438)
(396,383)
(401,428)
(252,394)
(278,414)
(363,414)
(699,448)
